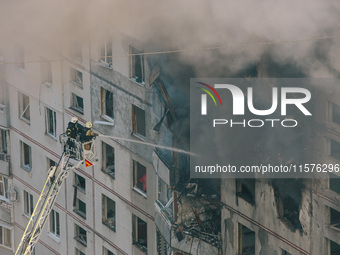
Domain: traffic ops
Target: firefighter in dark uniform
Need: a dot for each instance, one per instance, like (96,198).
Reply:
(73,130)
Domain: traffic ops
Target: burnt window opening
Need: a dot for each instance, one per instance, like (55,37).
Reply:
(334,219)
(164,193)
(335,110)
(108,159)
(334,248)
(335,149)
(139,177)
(137,65)
(109,213)
(24,108)
(76,77)
(288,195)
(138,121)
(246,240)
(77,103)
(139,233)
(106,104)
(334,183)
(245,189)
(80,235)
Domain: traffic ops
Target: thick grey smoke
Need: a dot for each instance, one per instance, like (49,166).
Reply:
(171,25)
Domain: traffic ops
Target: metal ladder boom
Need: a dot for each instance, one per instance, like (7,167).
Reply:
(44,206)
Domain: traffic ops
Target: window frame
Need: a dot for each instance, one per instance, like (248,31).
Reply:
(54,224)
(137,176)
(75,78)
(4,189)
(28,204)
(22,156)
(48,113)
(77,183)
(75,104)
(77,209)
(107,251)
(105,52)
(79,252)
(24,108)
(78,236)
(135,126)
(135,233)
(3,144)
(104,105)
(133,60)
(104,166)
(105,212)
(4,234)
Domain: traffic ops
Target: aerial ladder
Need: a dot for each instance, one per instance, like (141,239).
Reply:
(73,149)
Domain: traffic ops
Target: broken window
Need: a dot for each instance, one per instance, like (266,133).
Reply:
(164,193)
(334,183)
(54,223)
(335,113)
(20,61)
(335,149)
(107,252)
(24,107)
(28,204)
(106,104)
(139,177)
(51,122)
(334,219)
(5,237)
(77,103)
(76,51)
(76,77)
(108,159)
(139,233)
(26,157)
(137,65)
(138,121)
(46,72)
(79,182)
(334,248)
(3,188)
(80,235)
(3,144)
(246,240)
(109,212)
(105,52)
(245,189)
(78,252)
(80,208)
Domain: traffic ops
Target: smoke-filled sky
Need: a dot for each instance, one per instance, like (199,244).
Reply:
(195,24)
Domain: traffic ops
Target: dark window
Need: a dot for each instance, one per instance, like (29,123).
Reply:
(106,103)
(139,177)
(79,182)
(139,233)
(51,122)
(246,237)
(245,189)
(55,223)
(137,65)
(335,149)
(108,159)
(28,204)
(109,212)
(24,107)
(76,77)
(80,235)
(336,113)
(26,158)
(138,120)
(77,103)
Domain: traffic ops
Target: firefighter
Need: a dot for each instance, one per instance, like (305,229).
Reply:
(74,129)
(88,135)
